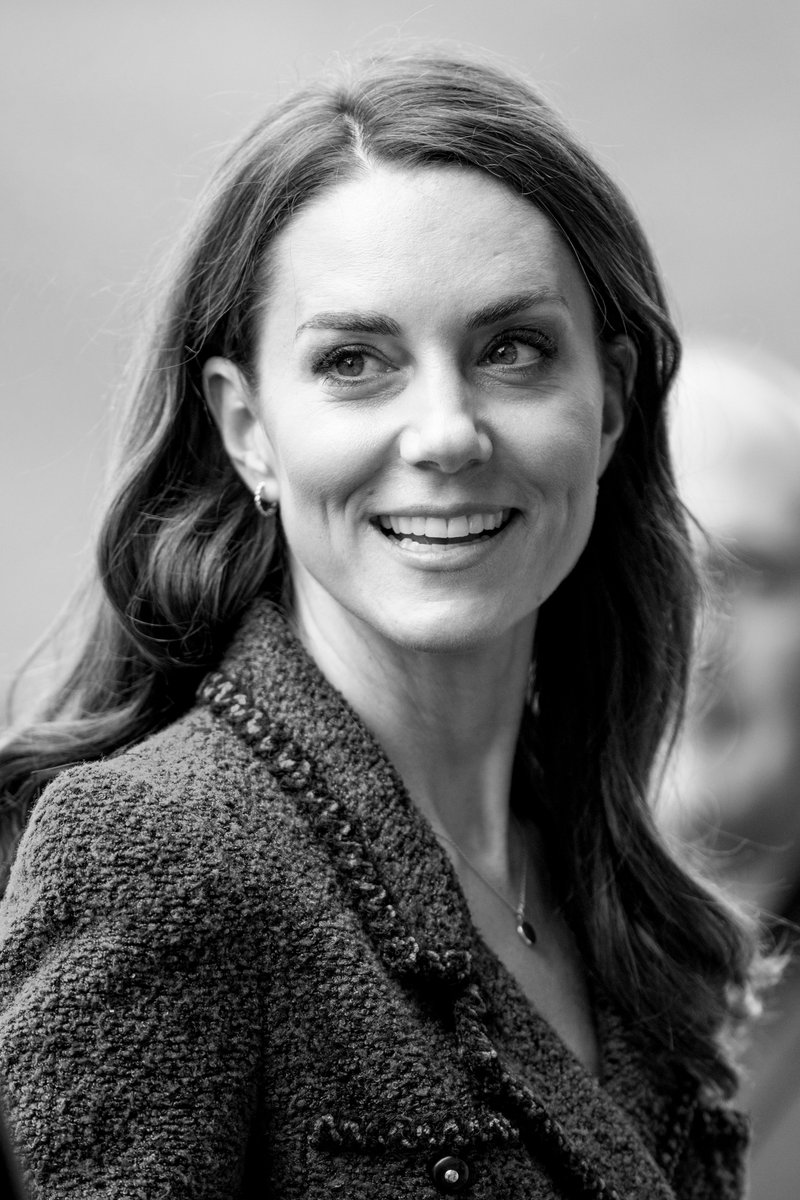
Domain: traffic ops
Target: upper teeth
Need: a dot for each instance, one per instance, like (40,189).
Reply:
(445,527)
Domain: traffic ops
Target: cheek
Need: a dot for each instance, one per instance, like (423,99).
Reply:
(562,464)
(562,450)
(324,467)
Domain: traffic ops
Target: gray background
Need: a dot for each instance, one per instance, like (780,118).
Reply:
(114,112)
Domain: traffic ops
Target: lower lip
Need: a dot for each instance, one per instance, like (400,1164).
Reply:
(436,556)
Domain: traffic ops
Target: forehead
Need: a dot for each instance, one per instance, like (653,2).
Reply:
(442,238)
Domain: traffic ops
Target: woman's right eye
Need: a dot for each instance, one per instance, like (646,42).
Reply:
(350,364)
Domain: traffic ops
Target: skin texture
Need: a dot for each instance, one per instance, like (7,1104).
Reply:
(434,405)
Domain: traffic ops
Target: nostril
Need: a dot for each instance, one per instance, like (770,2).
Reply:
(484,446)
(445,447)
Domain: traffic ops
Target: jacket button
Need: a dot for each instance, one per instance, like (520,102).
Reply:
(450,1175)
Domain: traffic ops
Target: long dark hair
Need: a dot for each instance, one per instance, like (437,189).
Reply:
(182,551)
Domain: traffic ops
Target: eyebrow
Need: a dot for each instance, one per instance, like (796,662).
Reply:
(351,322)
(509,306)
(489,314)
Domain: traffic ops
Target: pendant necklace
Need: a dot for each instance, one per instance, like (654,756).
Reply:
(523,926)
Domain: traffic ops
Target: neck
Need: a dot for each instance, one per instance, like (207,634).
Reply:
(448,721)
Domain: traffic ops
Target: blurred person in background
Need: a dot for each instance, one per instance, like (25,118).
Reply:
(735,438)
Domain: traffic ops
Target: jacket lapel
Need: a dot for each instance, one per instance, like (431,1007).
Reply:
(402,885)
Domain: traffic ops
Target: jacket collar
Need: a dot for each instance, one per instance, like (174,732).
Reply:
(400,879)
(402,885)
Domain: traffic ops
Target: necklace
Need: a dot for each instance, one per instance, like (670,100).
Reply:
(523,926)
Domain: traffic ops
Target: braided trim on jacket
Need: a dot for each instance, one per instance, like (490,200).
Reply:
(340,1134)
(401,952)
(538,1127)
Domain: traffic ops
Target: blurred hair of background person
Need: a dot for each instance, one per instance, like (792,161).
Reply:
(735,775)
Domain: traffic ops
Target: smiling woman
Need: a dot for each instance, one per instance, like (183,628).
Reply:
(337,873)
(474,391)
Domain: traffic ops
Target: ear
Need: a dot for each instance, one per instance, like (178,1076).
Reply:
(233,407)
(618,360)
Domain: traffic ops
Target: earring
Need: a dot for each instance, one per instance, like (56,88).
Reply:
(266,508)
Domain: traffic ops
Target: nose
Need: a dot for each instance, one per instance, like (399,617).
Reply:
(443,431)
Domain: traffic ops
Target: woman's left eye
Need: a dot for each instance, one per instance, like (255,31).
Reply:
(518,350)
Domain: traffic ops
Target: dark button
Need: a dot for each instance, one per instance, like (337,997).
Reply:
(451,1175)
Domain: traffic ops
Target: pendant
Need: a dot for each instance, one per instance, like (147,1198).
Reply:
(526,930)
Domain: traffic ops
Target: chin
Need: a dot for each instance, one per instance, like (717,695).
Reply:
(445,632)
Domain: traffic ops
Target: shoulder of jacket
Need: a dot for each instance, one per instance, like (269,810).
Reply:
(714,1160)
(195,763)
(187,802)
(722,1122)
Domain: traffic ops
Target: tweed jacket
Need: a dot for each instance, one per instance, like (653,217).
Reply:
(236,963)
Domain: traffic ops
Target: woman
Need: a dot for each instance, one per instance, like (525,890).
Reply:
(359,894)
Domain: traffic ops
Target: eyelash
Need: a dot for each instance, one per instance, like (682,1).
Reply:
(324,362)
(529,337)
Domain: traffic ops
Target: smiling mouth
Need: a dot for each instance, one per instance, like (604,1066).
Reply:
(445,531)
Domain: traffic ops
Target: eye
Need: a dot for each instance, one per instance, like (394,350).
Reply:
(520,349)
(350,364)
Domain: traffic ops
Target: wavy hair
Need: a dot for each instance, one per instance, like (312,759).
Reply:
(182,551)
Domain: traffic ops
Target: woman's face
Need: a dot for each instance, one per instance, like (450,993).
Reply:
(433,410)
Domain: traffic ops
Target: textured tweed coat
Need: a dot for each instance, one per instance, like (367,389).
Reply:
(236,963)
